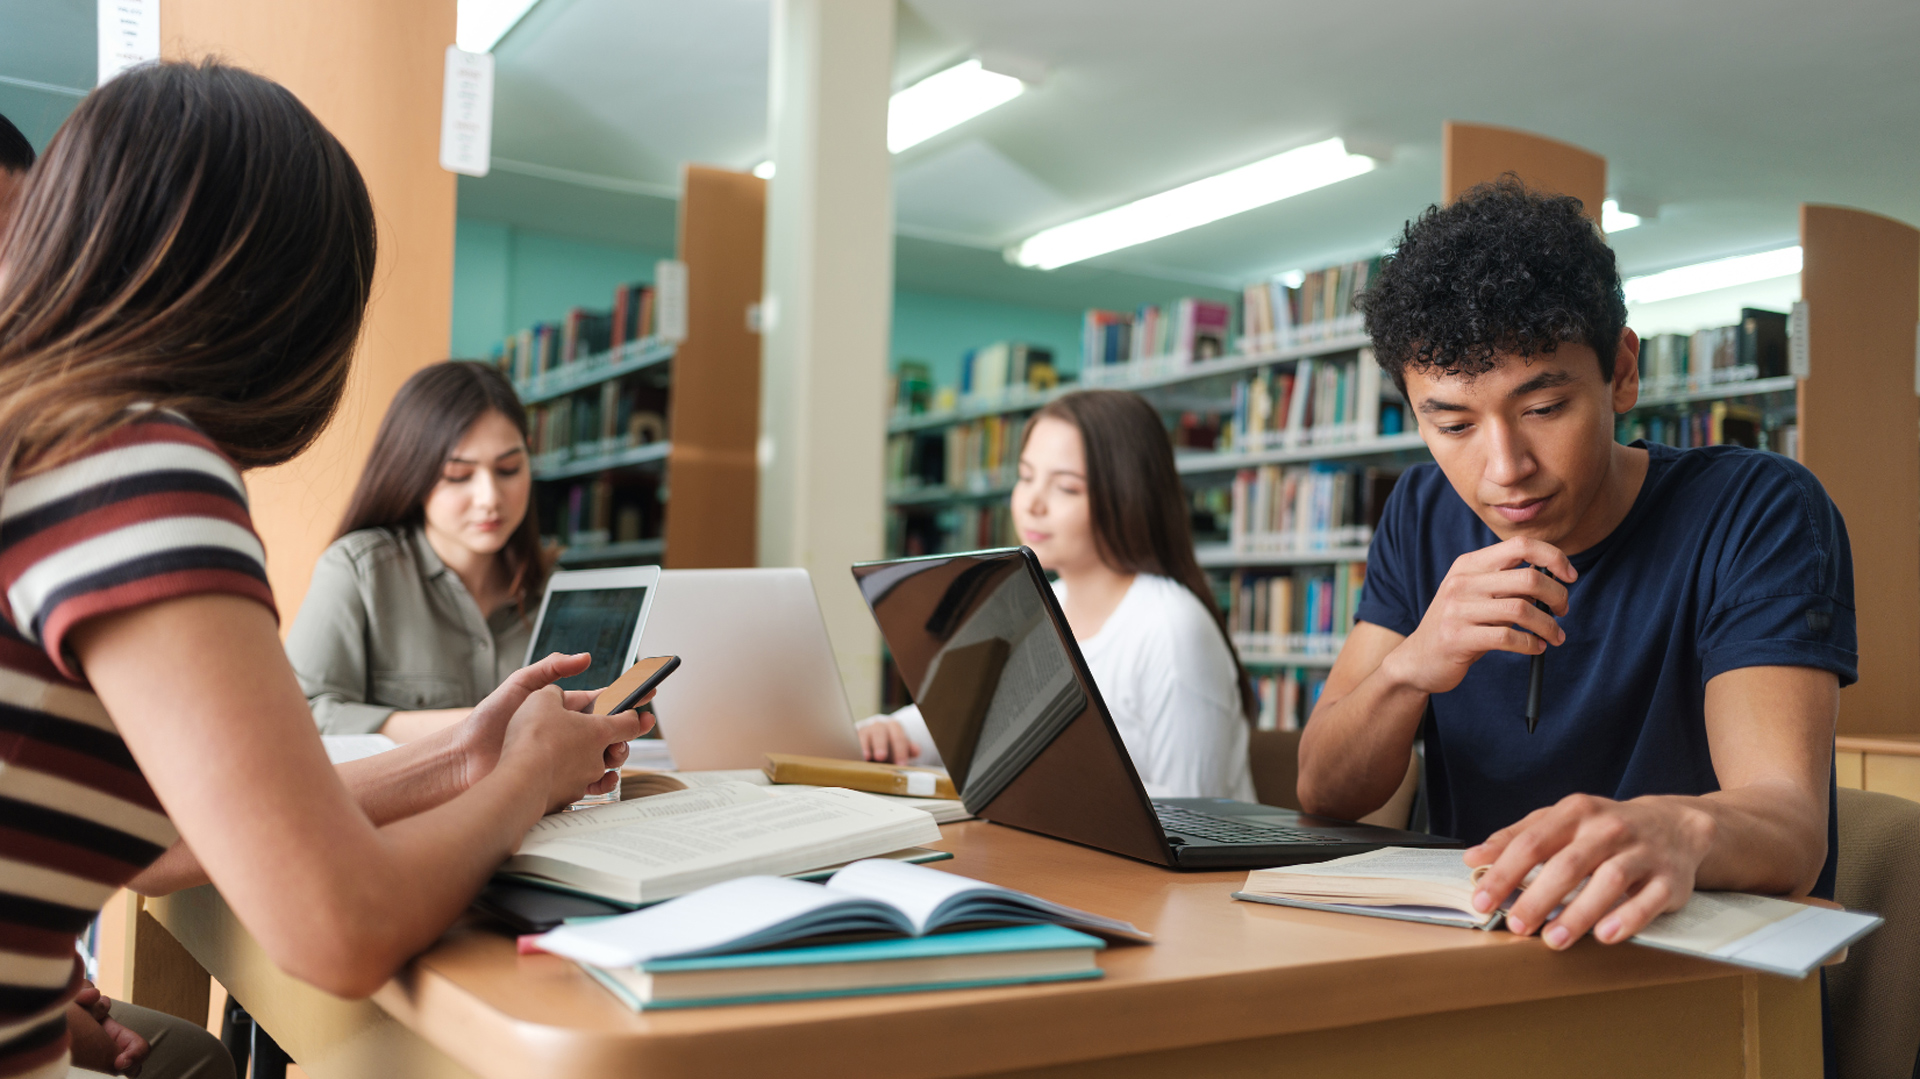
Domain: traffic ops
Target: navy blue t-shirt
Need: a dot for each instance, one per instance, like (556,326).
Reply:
(1729,558)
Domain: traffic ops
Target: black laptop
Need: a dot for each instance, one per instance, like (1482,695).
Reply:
(987,654)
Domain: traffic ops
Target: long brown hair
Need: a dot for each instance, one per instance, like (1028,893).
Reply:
(1138,505)
(428,416)
(192,239)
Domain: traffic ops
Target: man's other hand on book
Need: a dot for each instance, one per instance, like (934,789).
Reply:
(1638,858)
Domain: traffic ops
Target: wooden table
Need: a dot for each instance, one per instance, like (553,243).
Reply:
(1229,989)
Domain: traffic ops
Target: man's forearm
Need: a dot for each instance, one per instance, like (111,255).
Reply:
(1768,838)
(387,787)
(1353,753)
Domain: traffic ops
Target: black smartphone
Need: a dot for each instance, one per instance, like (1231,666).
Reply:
(640,680)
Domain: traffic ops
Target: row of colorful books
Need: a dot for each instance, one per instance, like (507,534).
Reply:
(1715,423)
(1756,347)
(946,529)
(1295,309)
(992,371)
(1186,331)
(1297,611)
(596,511)
(607,419)
(1287,696)
(1313,402)
(974,456)
(639,311)
(1312,507)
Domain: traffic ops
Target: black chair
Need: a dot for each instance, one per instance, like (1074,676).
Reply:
(245,1039)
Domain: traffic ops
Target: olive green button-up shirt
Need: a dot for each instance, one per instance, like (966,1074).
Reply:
(386,627)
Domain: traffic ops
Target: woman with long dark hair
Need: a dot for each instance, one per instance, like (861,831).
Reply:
(423,604)
(1101,504)
(180,294)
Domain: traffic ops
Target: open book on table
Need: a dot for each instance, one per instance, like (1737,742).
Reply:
(649,849)
(866,899)
(639,783)
(1775,935)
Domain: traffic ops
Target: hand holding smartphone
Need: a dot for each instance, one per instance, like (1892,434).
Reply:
(626,692)
(638,681)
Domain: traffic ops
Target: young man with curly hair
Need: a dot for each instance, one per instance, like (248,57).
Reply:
(1701,601)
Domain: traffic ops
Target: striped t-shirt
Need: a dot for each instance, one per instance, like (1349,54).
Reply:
(153,511)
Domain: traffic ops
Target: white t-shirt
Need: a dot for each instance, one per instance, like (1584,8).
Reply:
(1168,679)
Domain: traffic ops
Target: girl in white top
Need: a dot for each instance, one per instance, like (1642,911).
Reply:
(1100,503)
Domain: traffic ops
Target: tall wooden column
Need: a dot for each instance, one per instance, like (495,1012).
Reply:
(372,71)
(1859,415)
(716,373)
(829,288)
(1475,153)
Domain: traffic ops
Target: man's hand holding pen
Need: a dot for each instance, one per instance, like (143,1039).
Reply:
(1485,604)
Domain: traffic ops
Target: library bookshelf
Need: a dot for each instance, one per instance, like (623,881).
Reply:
(610,427)
(1239,558)
(1846,406)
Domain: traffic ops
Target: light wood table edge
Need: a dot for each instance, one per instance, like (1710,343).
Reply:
(1007,1029)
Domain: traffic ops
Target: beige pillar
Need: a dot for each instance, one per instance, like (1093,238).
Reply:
(1475,153)
(1857,413)
(372,71)
(829,280)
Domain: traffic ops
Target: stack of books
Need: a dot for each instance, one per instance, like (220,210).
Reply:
(648,849)
(873,927)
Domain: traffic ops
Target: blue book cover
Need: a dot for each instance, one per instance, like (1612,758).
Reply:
(1019,938)
(637,987)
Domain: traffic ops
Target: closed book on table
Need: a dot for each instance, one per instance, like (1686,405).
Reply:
(870,776)
(1010,956)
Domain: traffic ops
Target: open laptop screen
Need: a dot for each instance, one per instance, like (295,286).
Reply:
(596,620)
(986,654)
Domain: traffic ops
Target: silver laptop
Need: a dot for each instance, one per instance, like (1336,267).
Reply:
(599,611)
(757,673)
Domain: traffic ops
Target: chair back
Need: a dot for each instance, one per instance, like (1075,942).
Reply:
(1874,996)
(1274,758)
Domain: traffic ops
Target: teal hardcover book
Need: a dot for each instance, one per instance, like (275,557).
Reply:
(1009,956)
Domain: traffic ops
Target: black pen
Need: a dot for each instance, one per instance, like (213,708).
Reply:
(1537,671)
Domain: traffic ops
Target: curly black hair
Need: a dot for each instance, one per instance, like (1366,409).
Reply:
(1504,269)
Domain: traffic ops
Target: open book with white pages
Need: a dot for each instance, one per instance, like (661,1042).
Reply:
(649,849)
(1778,936)
(866,899)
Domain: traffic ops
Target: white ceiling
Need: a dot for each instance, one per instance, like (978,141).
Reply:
(1725,114)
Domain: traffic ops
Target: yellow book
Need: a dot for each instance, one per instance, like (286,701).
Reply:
(859,775)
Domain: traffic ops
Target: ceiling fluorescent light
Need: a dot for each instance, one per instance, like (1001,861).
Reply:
(946,99)
(482,23)
(1234,191)
(1708,276)
(1614,219)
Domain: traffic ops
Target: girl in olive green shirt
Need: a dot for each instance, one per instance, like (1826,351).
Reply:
(423,604)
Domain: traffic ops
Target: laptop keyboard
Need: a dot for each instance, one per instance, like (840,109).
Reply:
(1178,820)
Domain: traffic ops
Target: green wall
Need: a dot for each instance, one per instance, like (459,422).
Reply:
(506,278)
(941,330)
